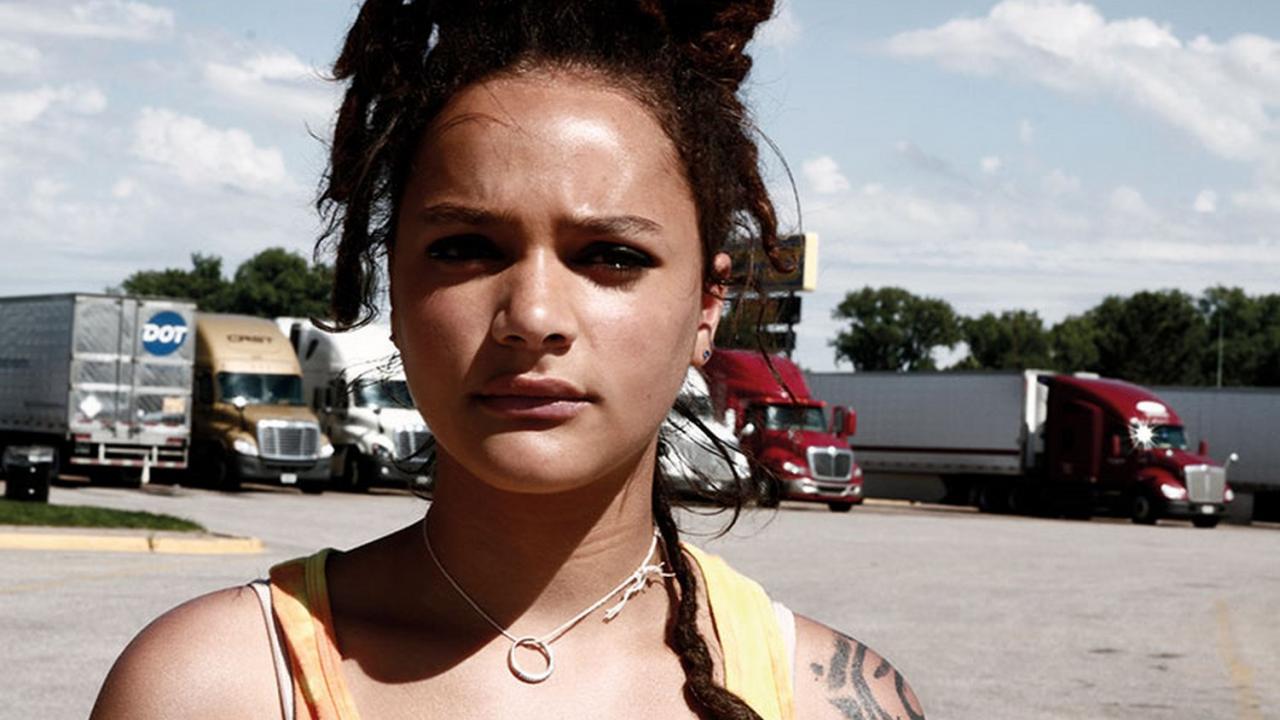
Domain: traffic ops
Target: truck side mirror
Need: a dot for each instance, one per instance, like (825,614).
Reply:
(1116,450)
(1204,448)
(850,423)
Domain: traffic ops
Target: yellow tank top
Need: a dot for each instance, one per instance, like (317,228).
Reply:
(757,663)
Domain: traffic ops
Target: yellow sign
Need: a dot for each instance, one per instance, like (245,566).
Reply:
(799,252)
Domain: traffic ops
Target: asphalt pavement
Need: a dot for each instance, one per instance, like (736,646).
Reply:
(987,616)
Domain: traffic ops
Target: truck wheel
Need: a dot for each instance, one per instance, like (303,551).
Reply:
(992,498)
(311,487)
(839,507)
(770,490)
(1205,522)
(220,476)
(356,475)
(1143,511)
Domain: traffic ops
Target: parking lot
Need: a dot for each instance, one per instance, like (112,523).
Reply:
(987,616)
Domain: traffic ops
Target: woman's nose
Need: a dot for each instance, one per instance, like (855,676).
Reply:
(536,312)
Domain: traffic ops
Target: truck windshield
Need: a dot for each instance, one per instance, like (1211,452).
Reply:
(259,389)
(383,394)
(1169,436)
(793,417)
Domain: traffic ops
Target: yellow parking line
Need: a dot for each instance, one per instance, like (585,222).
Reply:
(165,544)
(1241,674)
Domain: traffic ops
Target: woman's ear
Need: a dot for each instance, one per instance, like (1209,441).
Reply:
(712,306)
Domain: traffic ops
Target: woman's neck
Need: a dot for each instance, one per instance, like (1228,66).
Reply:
(532,560)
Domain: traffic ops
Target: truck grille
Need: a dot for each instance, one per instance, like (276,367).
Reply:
(285,440)
(410,441)
(1205,483)
(830,463)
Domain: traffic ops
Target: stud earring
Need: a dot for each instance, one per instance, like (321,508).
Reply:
(706,355)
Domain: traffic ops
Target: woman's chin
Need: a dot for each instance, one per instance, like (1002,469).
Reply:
(538,467)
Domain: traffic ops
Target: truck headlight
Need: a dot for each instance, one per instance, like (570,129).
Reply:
(245,446)
(1229,495)
(1173,492)
(326,450)
(793,468)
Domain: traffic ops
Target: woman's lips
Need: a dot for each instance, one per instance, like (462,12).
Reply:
(532,397)
(524,407)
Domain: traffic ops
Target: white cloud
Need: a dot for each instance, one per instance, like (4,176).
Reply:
(279,83)
(123,188)
(204,155)
(1206,202)
(1059,183)
(824,175)
(18,59)
(1128,200)
(781,31)
(102,19)
(1026,132)
(24,107)
(1222,94)
(991,164)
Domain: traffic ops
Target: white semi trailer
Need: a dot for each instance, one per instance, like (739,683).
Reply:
(356,386)
(103,380)
(692,462)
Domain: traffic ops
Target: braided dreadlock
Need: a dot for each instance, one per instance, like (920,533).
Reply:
(683,60)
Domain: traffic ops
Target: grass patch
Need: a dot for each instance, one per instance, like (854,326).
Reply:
(14,512)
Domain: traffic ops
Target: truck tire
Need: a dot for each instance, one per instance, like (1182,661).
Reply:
(1205,522)
(220,475)
(356,472)
(1143,511)
(992,497)
(770,490)
(839,507)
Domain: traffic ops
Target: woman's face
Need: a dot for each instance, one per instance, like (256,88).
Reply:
(546,282)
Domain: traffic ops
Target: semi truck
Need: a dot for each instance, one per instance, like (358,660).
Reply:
(250,421)
(1244,420)
(800,450)
(102,381)
(355,384)
(1033,441)
(693,462)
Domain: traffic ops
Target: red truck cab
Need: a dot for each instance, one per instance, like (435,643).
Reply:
(1132,448)
(789,434)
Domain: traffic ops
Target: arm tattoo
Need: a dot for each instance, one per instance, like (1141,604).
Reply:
(851,694)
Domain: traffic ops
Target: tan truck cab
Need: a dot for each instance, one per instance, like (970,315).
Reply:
(249,419)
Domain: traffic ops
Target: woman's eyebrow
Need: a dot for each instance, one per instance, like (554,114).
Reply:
(617,225)
(454,214)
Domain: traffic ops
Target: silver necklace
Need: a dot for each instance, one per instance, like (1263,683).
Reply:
(634,583)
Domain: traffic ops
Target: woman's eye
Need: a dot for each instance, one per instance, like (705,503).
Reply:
(616,258)
(463,248)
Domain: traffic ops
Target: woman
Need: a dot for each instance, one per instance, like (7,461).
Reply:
(548,186)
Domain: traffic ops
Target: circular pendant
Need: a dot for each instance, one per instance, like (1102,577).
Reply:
(542,649)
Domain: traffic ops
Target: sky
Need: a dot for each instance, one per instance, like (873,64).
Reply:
(1022,154)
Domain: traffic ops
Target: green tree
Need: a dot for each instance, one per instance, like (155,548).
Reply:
(203,283)
(279,282)
(1267,372)
(891,329)
(1013,340)
(1151,338)
(1073,344)
(1236,321)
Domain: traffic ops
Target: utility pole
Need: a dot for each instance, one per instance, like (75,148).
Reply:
(1219,347)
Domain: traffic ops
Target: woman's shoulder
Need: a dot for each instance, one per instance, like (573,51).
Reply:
(209,657)
(840,678)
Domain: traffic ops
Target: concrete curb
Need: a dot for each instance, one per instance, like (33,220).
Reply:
(165,543)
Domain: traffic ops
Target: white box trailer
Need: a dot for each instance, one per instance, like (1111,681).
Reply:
(987,423)
(103,379)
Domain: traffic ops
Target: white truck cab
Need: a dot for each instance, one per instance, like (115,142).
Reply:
(356,385)
(692,463)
